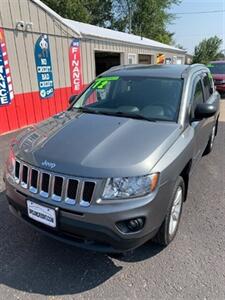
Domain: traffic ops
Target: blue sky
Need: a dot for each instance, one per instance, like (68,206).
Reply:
(190,29)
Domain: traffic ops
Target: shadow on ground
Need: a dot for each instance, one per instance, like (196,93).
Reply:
(31,262)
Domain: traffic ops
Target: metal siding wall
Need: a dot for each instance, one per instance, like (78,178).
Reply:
(35,110)
(42,21)
(23,45)
(59,94)
(89,65)
(33,105)
(89,46)
(89,62)
(6,19)
(15,47)
(33,14)
(83,61)
(27,107)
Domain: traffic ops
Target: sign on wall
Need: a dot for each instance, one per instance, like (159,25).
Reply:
(44,67)
(160,59)
(75,67)
(6,89)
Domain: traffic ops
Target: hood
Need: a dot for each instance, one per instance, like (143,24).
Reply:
(90,145)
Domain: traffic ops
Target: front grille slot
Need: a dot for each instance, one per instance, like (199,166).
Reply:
(71,191)
(34,181)
(58,183)
(88,191)
(24,177)
(45,180)
(57,188)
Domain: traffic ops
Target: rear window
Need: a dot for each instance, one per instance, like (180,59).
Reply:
(217,68)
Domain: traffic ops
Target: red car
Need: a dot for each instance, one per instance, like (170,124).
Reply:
(217,69)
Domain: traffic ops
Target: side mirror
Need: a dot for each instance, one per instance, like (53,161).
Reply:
(72,98)
(205,110)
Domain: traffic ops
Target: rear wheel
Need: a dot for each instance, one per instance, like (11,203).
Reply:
(169,228)
(210,144)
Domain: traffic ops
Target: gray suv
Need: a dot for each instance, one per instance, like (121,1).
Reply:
(112,171)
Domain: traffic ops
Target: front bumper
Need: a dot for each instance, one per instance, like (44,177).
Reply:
(95,228)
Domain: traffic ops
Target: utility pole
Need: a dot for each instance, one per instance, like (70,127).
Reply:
(130,15)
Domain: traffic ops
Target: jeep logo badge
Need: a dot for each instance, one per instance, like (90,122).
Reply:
(48,164)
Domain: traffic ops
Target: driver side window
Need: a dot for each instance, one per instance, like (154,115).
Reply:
(198,97)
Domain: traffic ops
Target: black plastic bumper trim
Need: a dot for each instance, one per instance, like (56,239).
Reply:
(81,234)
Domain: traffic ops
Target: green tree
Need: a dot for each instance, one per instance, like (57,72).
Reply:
(208,50)
(147,18)
(179,46)
(96,12)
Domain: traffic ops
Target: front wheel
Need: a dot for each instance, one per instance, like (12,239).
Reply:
(169,228)
(211,141)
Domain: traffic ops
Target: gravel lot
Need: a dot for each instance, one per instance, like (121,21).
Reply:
(33,266)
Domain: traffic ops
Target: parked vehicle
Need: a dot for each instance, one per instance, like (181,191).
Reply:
(217,69)
(112,171)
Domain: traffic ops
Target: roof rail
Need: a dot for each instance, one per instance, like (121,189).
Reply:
(190,68)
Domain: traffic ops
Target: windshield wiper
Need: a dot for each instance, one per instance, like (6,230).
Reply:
(87,110)
(115,113)
(133,115)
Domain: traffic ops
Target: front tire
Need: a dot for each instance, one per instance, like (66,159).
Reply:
(169,227)
(210,144)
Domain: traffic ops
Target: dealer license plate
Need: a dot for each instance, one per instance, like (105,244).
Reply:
(42,214)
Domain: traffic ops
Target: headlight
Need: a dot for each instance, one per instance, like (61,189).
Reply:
(128,187)
(10,164)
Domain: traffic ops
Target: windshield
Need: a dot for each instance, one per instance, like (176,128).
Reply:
(217,68)
(138,97)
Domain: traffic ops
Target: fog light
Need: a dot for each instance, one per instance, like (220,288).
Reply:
(132,225)
(135,224)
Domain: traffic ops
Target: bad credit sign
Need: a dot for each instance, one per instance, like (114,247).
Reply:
(6,89)
(75,67)
(44,67)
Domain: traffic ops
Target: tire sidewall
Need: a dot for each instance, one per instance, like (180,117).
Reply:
(210,145)
(179,183)
(212,138)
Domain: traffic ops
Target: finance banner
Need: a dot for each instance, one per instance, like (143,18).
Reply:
(75,67)
(6,88)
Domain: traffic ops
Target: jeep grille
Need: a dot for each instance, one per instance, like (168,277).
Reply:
(54,186)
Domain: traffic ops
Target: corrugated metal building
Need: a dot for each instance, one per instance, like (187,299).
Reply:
(45,58)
